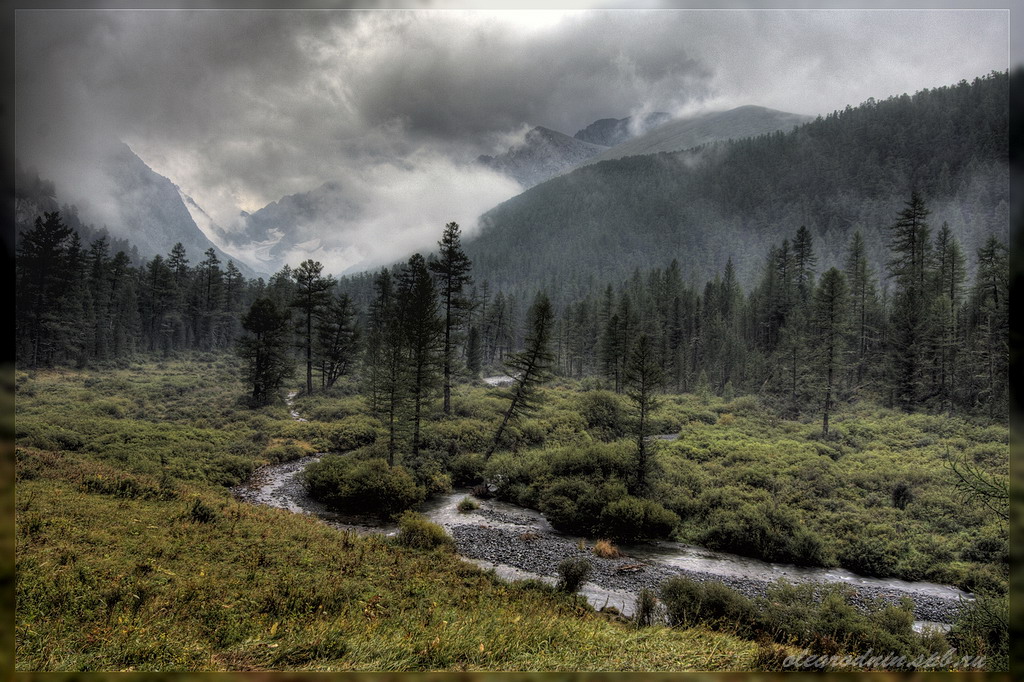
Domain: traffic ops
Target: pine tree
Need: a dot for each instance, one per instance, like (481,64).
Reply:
(474,353)
(804,261)
(949,273)
(864,307)
(830,318)
(212,278)
(643,379)
(424,334)
(386,358)
(452,270)
(40,286)
(990,315)
(265,348)
(530,368)
(312,292)
(337,339)
(909,244)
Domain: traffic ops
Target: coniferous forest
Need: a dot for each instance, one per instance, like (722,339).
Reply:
(792,349)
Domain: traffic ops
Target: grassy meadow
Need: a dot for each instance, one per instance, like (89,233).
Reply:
(133,555)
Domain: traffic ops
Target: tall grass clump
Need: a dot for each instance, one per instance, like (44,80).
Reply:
(572,573)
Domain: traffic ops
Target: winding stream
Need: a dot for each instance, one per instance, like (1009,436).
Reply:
(519,543)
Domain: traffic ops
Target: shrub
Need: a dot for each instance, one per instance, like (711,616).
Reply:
(645,608)
(870,552)
(467,504)
(200,512)
(631,518)
(126,488)
(415,531)
(603,414)
(352,432)
(688,602)
(285,452)
(991,546)
(229,470)
(467,469)
(980,630)
(606,550)
(902,495)
(457,436)
(572,573)
(766,531)
(597,461)
(361,486)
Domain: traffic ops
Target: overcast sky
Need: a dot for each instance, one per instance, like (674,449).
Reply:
(242,107)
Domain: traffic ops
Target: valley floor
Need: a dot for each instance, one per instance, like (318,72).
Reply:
(133,554)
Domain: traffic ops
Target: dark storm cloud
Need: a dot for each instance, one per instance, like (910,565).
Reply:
(243,107)
(448,81)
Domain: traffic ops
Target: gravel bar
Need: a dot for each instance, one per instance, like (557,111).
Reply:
(540,553)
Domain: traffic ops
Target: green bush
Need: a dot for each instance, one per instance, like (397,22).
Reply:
(362,486)
(688,603)
(572,573)
(200,512)
(48,437)
(764,530)
(415,531)
(352,432)
(126,487)
(230,470)
(457,436)
(603,413)
(598,461)
(467,469)
(645,609)
(286,452)
(980,630)
(871,551)
(631,518)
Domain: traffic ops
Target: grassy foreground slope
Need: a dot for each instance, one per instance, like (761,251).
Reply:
(131,554)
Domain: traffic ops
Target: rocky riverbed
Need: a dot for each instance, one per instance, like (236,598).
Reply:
(540,552)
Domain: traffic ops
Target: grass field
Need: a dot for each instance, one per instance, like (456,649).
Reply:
(131,555)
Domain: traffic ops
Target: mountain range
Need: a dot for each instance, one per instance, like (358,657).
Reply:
(543,154)
(702,190)
(149,211)
(852,170)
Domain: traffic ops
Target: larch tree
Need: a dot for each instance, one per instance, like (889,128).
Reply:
(643,380)
(312,293)
(265,348)
(423,328)
(452,269)
(830,318)
(530,368)
(909,242)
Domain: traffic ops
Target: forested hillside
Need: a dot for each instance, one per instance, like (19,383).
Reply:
(850,171)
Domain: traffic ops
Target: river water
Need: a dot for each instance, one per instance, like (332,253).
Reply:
(519,543)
